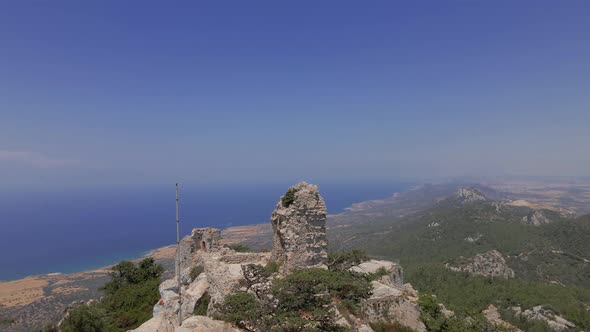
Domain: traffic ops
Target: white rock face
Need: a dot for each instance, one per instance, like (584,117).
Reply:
(470,195)
(489,264)
(555,322)
(157,324)
(536,219)
(299,229)
(191,324)
(394,304)
(394,276)
(223,269)
(168,303)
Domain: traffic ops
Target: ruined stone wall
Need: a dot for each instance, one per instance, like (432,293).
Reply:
(299,229)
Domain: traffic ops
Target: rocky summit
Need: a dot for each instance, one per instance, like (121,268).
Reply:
(489,264)
(210,272)
(470,195)
(299,229)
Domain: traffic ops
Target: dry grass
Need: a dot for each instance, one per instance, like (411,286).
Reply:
(21,292)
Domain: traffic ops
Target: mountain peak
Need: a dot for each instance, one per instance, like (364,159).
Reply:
(469,195)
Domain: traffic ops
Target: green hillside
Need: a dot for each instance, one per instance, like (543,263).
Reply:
(550,261)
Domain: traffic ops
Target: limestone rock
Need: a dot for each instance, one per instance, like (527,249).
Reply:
(299,229)
(225,276)
(192,294)
(205,324)
(157,324)
(364,328)
(492,314)
(168,303)
(394,276)
(470,195)
(555,322)
(536,219)
(489,264)
(394,304)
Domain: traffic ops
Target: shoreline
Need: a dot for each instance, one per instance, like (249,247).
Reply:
(98,267)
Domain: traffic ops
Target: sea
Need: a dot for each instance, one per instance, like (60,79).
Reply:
(74,230)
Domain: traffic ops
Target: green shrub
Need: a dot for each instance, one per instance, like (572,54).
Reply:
(128,301)
(196,271)
(311,288)
(302,298)
(463,293)
(86,318)
(272,267)
(241,309)
(289,197)
(342,261)
(202,305)
(378,274)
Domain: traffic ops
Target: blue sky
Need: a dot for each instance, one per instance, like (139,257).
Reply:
(135,92)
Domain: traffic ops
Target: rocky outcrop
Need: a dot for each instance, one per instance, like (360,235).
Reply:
(489,264)
(389,303)
(225,276)
(205,324)
(492,314)
(299,229)
(470,195)
(555,322)
(299,225)
(391,273)
(537,218)
(220,274)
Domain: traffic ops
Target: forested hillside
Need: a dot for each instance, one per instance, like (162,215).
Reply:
(547,252)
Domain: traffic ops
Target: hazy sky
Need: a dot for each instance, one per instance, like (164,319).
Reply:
(127,92)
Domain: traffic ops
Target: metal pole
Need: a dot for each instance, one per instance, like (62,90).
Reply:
(178,260)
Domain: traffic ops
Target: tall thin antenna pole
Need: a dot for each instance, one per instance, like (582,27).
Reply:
(178,260)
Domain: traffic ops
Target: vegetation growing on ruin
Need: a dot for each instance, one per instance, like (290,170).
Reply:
(240,248)
(289,197)
(196,271)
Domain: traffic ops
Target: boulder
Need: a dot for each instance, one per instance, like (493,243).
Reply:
(391,303)
(157,324)
(394,276)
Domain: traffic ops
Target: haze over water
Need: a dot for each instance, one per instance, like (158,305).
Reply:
(77,230)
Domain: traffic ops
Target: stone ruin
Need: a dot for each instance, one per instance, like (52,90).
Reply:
(299,229)
(203,239)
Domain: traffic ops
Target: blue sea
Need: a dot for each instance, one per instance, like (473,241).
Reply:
(75,230)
